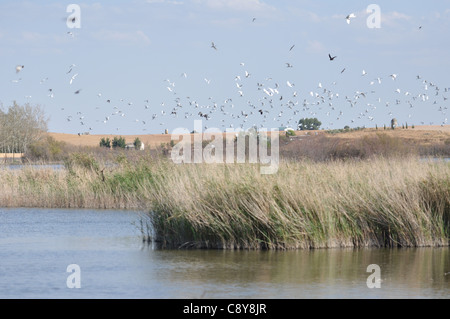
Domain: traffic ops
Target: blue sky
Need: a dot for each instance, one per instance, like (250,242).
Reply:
(154,58)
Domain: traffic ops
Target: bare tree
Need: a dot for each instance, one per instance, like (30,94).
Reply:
(20,126)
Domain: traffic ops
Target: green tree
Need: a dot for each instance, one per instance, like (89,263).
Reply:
(118,142)
(290,133)
(137,143)
(309,124)
(105,142)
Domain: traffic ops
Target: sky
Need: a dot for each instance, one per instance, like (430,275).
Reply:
(146,66)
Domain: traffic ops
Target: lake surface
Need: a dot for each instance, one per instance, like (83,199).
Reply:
(34,166)
(37,245)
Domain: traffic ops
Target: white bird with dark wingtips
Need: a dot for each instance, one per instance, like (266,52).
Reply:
(350,16)
(19,68)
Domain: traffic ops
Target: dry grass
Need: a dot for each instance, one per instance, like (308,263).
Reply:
(366,144)
(150,140)
(305,205)
(425,133)
(377,202)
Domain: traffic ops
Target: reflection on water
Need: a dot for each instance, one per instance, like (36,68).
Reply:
(334,273)
(61,166)
(34,166)
(37,245)
(436,159)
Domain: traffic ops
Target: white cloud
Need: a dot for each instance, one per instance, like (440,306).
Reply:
(236,5)
(393,18)
(164,1)
(122,37)
(230,22)
(30,36)
(315,47)
(314,17)
(306,15)
(92,6)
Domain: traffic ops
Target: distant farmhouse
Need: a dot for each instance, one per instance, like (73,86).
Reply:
(394,123)
(131,146)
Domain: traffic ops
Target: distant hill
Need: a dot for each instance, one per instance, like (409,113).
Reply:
(423,133)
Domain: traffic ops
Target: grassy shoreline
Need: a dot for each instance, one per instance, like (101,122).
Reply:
(395,202)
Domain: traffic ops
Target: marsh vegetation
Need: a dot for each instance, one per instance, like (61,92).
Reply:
(383,202)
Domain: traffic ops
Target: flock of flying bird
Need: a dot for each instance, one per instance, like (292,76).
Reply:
(274,103)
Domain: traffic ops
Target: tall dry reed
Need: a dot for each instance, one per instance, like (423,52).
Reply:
(378,202)
(305,205)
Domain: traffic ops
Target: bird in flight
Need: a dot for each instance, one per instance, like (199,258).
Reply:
(331,57)
(73,78)
(292,47)
(19,68)
(213,46)
(288,65)
(70,68)
(350,16)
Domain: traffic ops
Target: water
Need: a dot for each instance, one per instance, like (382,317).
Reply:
(34,166)
(37,245)
(436,159)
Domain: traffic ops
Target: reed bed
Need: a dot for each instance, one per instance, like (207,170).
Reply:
(397,202)
(305,205)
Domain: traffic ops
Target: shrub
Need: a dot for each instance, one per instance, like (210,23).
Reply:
(309,124)
(47,149)
(447,141)
(137,143)
(105,142)
(118,142)
(290,133)
(83,160)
